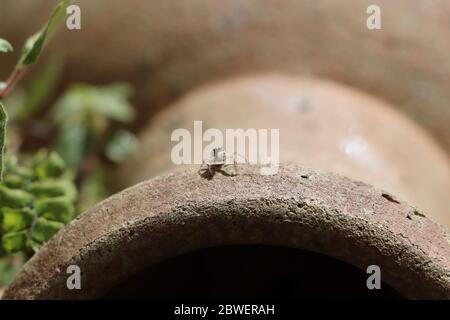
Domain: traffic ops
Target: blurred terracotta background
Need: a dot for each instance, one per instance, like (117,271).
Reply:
(371,105)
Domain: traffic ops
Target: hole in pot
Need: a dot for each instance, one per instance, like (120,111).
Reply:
(250,272)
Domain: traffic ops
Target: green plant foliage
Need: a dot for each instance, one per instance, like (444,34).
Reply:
(3,121)
(93,190)
(5,46)
(30,53)
(35,43)
(74,143)
(14,242)
(59,209)
(51,188)
(39,89)
(121,145)
(36,200)
(84,114)
(52,168)
(85,102)
(24,103)
(14,198)
(13,181)
(14,220)
(44,229)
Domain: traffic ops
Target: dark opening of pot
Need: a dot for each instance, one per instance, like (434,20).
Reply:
(250,272)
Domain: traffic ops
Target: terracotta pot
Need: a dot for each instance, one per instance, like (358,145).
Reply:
(180,213)
(322,125)
(167,48)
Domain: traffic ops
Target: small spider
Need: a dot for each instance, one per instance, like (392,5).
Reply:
(218,163)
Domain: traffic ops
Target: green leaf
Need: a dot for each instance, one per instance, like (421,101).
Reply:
(54,188)
(14,242)
(60,209)
(13,181)
(13,198)
(121,145)
(35,43)
(24,172)
(13,168)
(14,220)
(5,46)
(40,157)
(43,230)
(113,102)
(3,121)
(88,103)
(53,167)
(40,88)
(74,144)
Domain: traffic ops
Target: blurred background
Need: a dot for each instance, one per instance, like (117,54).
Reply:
(373,105)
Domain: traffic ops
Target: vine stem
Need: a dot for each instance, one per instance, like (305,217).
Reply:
(13,79)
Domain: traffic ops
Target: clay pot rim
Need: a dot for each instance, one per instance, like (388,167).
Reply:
(181,212)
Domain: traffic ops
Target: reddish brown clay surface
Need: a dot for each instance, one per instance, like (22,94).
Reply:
(322,125)
(299,208)
(167,48)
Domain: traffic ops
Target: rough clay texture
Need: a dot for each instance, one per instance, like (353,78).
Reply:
(167,48)
(323,125)
(181,212)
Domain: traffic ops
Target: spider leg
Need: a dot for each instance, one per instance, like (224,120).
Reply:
(235,173)
(235,162)
(201,167)
(210,170)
